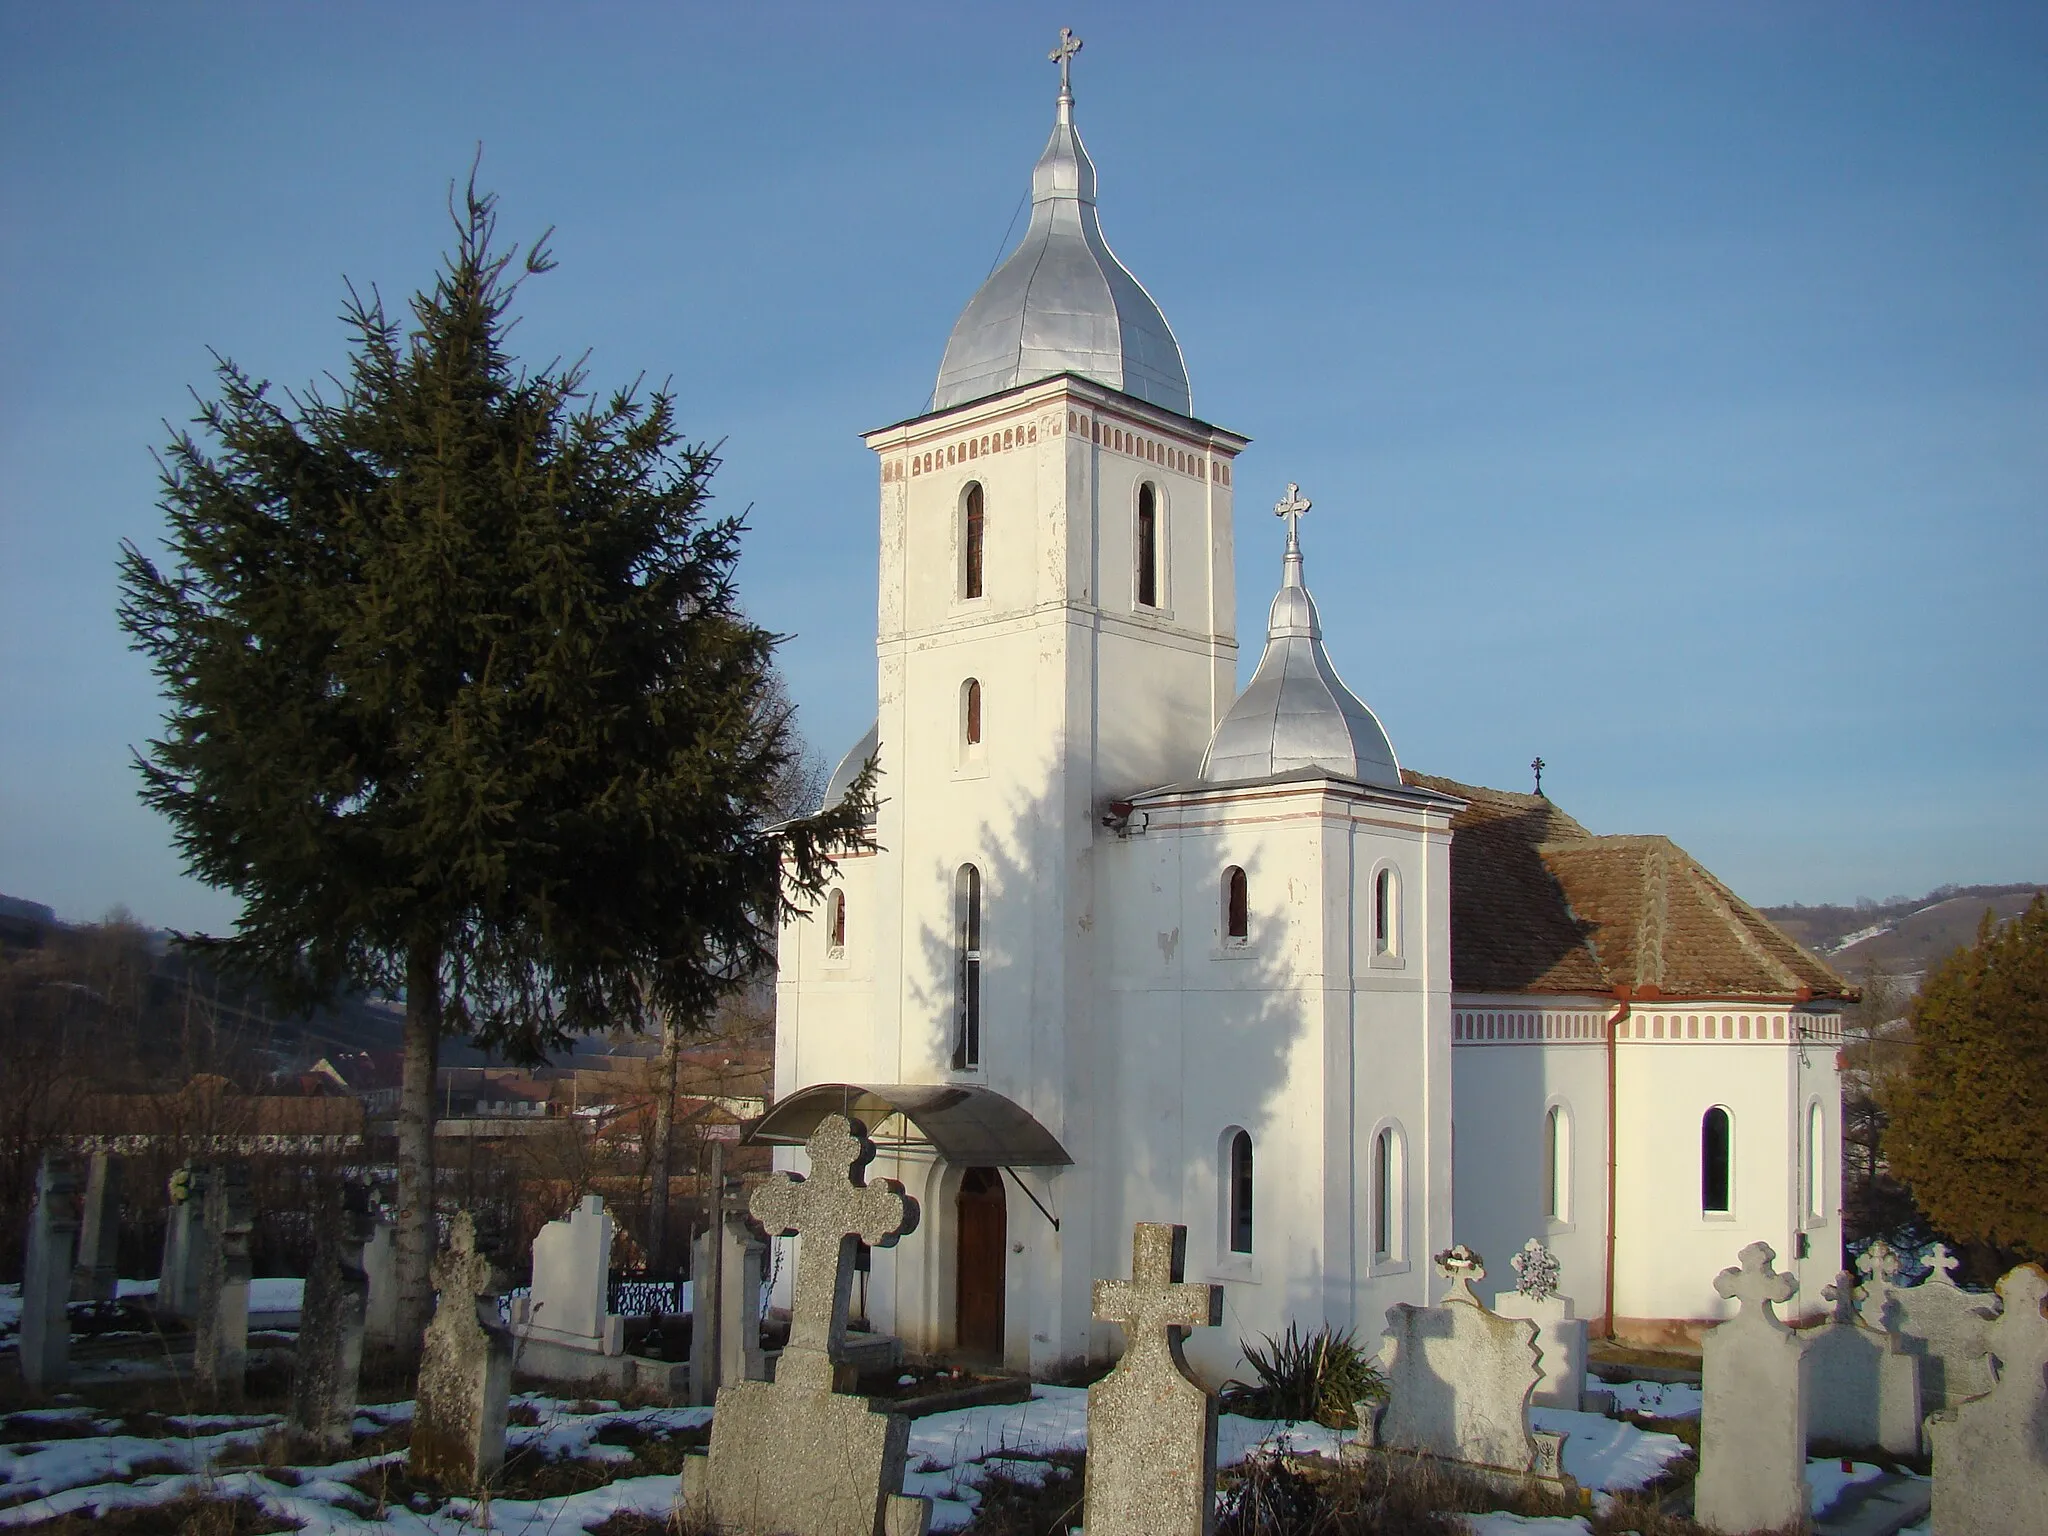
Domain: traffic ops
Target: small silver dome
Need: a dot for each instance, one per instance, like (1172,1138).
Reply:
(850,766)
(1297,713)
(1063,303)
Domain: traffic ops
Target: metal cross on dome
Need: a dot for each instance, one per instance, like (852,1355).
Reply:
(1291,506)
(1063,56)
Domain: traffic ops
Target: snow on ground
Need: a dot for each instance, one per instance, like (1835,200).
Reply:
(1658,1399)
(1607,1455)
(276,1295)
(1828,1481)
(1508,1525)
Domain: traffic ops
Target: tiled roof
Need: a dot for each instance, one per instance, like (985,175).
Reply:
(1539,904)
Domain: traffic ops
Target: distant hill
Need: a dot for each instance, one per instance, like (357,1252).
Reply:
(1904,937)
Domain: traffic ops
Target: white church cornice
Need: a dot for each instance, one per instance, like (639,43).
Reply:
(1144,424)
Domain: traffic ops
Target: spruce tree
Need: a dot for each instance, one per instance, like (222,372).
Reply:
(462,703)
(1969,1120)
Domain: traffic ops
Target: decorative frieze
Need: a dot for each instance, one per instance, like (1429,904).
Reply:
(1526,1026)
(1111,436)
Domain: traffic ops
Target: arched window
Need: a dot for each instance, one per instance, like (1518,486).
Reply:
(1148,546)
(1557,1163)
(1386,913)
(971,534)
(1717,1156)
(1237,907)
(970,716)
(835,924)
(1241,1192)
(1816,1162)
(967,948)
(1387,1179)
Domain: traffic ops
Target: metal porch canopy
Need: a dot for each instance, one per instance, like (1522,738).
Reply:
(967,1126)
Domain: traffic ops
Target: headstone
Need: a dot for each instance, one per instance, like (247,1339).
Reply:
(458,1427)
(1152,1426)
(380,1268)
(331,1324)
(1991,1452)
(725,1327)
(220,1312)
(177,1292)
(1862,1388)
(572,1263)
(1753,1419)
(1937,1320)
(96,1276)
(45,1338)
(1459,1379)
(1560,1336)
(793,1455)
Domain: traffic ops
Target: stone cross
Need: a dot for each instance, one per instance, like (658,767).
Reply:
(45,1339)
(1991,1451)
(177,1291)
(1291,506)
(1841,1296)
(829,1211)
(1151,1425)
(329,1357)
(1064,57)
(96,1275)
(465,1385)
(1753,1412)
(220,1309)
(1942,1263)
(1461,1266)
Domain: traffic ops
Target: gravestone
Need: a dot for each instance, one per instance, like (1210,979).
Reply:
(794,1455)
(725,1328)
(563,1329)
(458,1427)
(1560,1336)
(1991,1452)
(1937,1320)
(331,1323)
(96,1275)
(1151,1426)
(1459,1379)
(177,1291)
(1753,1416)
(220,1312)
(1863,1389)
(45,1337)
(380,1269)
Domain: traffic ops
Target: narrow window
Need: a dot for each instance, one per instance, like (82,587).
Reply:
(1816,1162)
(1386,913)
(967,944)
(970,714)
(835,924)
(1148,546)
(1237,907)
(1385,1182)
(1241,1192)
(970,543)
(1715,1151)
(1557,1162)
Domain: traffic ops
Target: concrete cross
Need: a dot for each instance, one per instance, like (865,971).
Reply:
(1879,1263)
(1064,56)
(1291,506)
(1756,1285)
(1942,1263)
(830,1210)
(1462,1267)
(1842,1295)
(2019,1338)
(1154,1306)
(459,1270)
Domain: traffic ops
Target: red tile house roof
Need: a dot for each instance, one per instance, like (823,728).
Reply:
(1539,904)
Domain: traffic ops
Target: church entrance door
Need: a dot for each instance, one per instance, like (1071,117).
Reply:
(984,1235)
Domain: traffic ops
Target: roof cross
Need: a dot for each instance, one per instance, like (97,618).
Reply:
(1291,506)
(1154,1306)
(829,1211)
(1539,765)
(1063,56)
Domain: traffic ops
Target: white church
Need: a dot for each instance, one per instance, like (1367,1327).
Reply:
(1137,944)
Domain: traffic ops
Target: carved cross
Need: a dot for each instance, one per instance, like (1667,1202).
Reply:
(1291,506)
(1942,1263)
(459,1270)
(1154,1306)
(1756,1285)
(1064,57)
(830,1210)
(1842,1295)
(1879,1263)
(1462,1267)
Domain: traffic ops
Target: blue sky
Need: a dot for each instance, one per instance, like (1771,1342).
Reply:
(1671,381)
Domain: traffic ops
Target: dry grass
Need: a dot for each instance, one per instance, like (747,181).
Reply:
(195,1516)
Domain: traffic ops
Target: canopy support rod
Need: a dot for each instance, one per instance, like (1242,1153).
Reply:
(1048,1215)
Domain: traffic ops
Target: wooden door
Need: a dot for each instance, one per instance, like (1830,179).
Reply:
(984,1239)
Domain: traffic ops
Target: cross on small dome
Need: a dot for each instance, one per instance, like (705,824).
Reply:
(1291,506)
(1064,56)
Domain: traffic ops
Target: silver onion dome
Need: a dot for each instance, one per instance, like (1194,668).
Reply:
(1297,713)
(1062,302)
(850,766)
